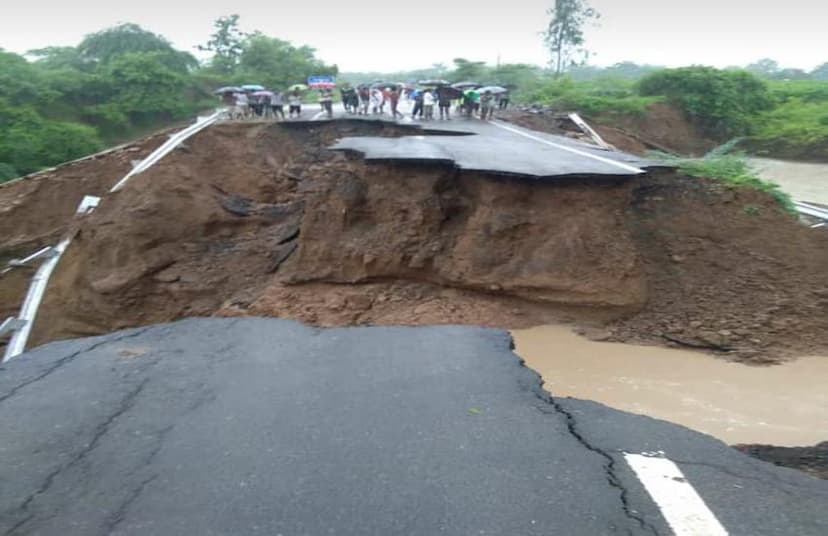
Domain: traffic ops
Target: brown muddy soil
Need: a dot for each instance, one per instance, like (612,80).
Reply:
(264,220)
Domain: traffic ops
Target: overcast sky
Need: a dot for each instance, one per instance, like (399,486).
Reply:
(361,35)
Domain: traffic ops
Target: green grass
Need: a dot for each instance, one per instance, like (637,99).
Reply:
(797,126)
(729,168)
(594,97)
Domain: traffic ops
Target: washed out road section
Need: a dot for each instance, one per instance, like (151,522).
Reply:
(499,148)
(236,426)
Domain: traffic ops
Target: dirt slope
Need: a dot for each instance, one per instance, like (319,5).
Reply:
(264,220)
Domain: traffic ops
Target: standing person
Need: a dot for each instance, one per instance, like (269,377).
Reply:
(277,105)
(418,105)
(327,102)
(377,101)
(295,100)
(266,101)
(487,105)
(364,100)
(503,101)
(257,104)
(394,99)
(444,102)
(386,95)
(242,106)
(468,105)
(428,104)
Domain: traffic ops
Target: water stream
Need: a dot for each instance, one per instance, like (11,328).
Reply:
(804,181)
(784,405)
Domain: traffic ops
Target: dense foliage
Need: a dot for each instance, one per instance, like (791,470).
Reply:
(797,126)
(60,103)
(723,102)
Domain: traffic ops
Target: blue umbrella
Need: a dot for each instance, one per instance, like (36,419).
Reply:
(253,87)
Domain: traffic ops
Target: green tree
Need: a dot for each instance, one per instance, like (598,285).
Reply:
(144,88)
(7,172)
(19,82)
(105,46)
(821,72)
(723,102)
(29,142)
(277,63)
(55,58)
(765,67)
(226,43)
(467,70)
(565,33)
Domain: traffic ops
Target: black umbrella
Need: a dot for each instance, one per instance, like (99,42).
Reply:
(450,92)
(385,85)
(465,85)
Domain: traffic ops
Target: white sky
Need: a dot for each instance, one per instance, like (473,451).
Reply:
(362,35)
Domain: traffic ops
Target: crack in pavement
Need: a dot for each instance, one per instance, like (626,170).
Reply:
(571,424)
(120,514)
(68,359)
(127,403)
(609,467)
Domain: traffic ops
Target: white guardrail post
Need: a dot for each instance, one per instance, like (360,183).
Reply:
(21,327)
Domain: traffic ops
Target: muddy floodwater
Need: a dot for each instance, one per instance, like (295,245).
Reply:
(803,180)
(785,405)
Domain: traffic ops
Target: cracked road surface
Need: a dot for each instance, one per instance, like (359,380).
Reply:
(262,426)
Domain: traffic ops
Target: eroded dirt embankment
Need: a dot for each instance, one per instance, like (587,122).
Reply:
(661,127)
(264,220)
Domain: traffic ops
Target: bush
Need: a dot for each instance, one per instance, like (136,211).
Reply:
(7,172)
(29,142)
(595,97)
(723,102)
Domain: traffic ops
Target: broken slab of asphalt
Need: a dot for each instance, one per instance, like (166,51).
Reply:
(499,149)
(237,426)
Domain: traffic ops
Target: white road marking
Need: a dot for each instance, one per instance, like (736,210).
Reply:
(625,167)
(682,507)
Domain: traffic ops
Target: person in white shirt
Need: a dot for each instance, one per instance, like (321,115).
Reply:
(377,100)
(295,102)
(277,105)
(242,110)
(428,105)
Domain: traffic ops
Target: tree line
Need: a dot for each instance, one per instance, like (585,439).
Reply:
(61,103)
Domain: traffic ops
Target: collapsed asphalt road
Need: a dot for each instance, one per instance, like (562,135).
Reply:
(246,426)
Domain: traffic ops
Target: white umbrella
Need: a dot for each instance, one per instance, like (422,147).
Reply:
(492,89)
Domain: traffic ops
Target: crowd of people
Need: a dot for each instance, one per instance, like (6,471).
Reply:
(367,100)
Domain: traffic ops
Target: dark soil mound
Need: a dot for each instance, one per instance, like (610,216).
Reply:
(265,220)
(812,460)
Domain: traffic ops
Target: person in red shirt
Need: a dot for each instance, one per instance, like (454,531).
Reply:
(394,99)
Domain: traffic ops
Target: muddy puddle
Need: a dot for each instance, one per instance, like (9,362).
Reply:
(785,405)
